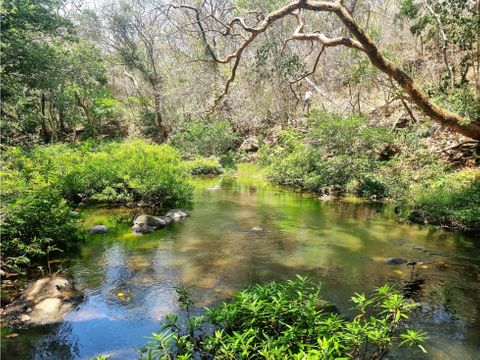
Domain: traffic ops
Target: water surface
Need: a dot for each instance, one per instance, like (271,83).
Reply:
(341,244)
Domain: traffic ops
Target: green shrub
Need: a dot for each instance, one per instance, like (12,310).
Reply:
(133,170)
(38,222)
(202,166)
(286,321)
(452,201)
(335,152)
(368,186)
(199,139)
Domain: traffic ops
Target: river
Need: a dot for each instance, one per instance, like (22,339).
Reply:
(342,244)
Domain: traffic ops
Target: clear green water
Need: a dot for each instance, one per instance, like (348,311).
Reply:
(338,243)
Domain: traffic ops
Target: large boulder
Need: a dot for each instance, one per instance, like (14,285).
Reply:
(144,224)
(249,145)
(46,301)
(176,214)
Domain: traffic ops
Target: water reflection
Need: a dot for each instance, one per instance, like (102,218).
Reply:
(129,281)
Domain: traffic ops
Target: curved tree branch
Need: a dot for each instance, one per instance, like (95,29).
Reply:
(360,42)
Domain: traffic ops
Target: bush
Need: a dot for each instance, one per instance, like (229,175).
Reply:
(133,170)
(202,166)
(286,321)
(37,223)
(199,139)
(38,186)
(336,151)
(451,201)
(368,186)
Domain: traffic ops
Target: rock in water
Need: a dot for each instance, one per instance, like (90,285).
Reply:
(46,302)
(176,214)
(249,145)
(395,261)
(256,229)
(98,229)
(144,224)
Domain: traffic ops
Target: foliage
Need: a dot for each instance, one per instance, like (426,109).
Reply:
(38,222)
(38,183)
(286,320)
(452,200)
(199,139)
(203,166)
(107,172)
(335,152)
(52,81)
(463,100)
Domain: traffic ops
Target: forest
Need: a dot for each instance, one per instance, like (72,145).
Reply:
(240,179)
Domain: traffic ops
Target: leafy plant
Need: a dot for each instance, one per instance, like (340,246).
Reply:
(199,139)
(202,166)
(38,222)
(286,320)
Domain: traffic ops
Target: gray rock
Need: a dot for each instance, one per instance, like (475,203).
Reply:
(144,224)
(98,229)
(256,229)
(47,300)
(326,198)
(25,318)
(217,187)
(249,145)
(176,214)
(395,261)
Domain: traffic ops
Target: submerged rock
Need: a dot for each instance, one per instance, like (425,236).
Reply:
(326,307)
(176,214)
(395,261)
(98,229)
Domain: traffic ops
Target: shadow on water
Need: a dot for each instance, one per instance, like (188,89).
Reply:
(128,281)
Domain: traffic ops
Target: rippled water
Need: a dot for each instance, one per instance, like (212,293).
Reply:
(341,244)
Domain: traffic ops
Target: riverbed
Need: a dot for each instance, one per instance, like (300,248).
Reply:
(128,281)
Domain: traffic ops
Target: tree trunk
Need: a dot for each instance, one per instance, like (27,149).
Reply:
(157,95)
(43,131)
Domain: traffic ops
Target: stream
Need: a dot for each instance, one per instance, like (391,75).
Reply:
(342,244)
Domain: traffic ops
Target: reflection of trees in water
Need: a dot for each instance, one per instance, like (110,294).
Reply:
(42,343)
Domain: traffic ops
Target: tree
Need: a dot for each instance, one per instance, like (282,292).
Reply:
(355,38)
(453,28)
(134,31)
(50,79)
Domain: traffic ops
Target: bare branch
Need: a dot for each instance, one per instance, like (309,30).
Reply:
(308,73)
